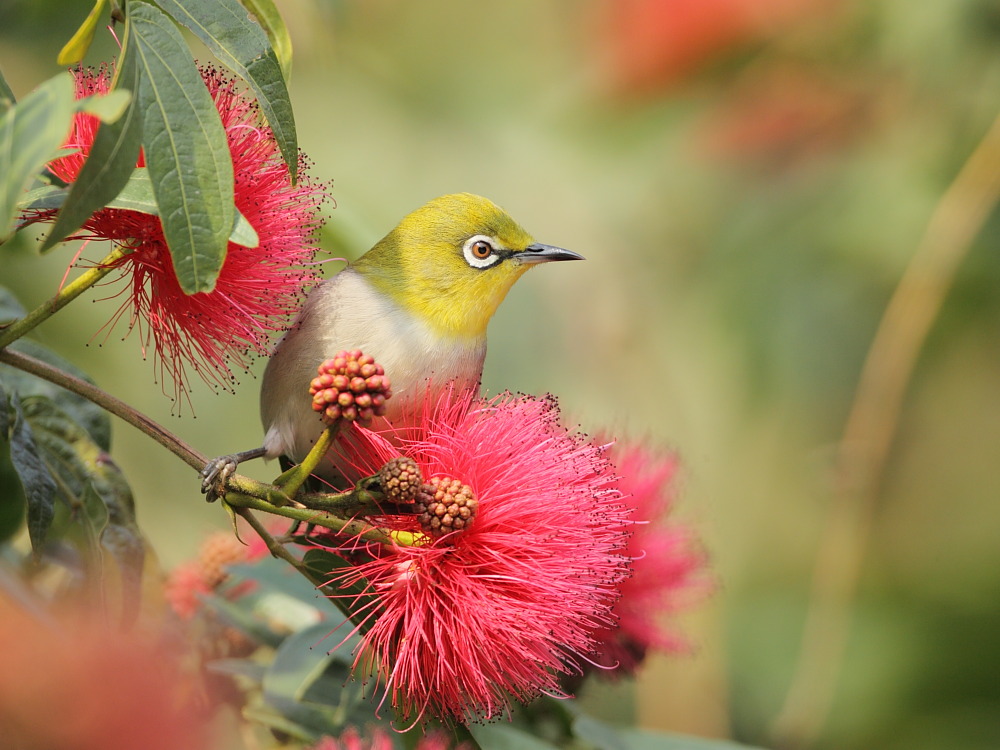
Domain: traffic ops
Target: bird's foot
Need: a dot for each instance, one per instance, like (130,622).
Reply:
(215,476)
(217,472)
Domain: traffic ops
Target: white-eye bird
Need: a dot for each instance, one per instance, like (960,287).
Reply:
(419,302)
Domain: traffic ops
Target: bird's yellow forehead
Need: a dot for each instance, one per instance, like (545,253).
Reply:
(451,219)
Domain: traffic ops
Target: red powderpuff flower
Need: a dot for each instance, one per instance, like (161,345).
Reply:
(380,740)
(668,567)
(459,625)
(258,289)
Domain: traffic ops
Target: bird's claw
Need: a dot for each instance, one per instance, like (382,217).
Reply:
(215,476)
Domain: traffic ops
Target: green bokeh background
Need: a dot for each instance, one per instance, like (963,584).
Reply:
(746,216)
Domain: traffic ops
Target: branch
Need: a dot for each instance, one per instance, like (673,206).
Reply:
(869,433)
(106,401)
(67,294)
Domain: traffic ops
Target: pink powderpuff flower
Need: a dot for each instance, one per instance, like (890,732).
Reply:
(668,565)
(258,289)
(379,739)
(460,624)
(193,579)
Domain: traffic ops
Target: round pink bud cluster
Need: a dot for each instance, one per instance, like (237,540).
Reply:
(446,505)
(350,386)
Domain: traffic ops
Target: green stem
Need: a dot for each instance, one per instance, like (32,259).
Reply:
(293,479)
(352,528)
(67,294)
(277,549)
(106,401)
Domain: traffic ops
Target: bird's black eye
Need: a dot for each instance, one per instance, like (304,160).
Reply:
(481,251)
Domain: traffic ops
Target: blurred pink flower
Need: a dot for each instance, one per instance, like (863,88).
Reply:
(379,739)
(460,625)
(74,682)
(192,579)
(654,44)
(258,289)
(668,567)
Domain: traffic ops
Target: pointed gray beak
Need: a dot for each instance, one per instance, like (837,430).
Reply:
(539,253)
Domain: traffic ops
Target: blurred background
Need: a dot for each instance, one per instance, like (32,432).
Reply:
(749,181)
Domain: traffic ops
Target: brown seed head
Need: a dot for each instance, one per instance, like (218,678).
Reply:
(401,479)
(446,505)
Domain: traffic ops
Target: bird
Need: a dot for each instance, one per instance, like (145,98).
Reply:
(419,302)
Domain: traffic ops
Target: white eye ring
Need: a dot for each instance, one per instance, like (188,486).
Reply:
(474,249)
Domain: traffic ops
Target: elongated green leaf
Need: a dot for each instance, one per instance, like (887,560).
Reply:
(311,687)
(643,739)
(10,307)
(30,133)
(267,15)
(111,161)
(185,147)
(243,47)
(78,45)
(6,95)
(137,195)
(12,503)
(507,737)
(38,484)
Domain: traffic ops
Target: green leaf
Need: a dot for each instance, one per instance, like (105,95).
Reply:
(323,563)
(271,574)
(643,739)
(6,95)
(506,737)
(99,501)
(312,688)
(270,19)
(121,537)
(88,415)
(244,668)
(10,307)
(78,45)
(30,133)
(12,502)
(243,47)
(186,150)
(240,615)
(38,484)
(109,164)
(597,733)
(137,195)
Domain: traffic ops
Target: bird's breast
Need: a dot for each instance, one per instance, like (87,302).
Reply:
(346,312)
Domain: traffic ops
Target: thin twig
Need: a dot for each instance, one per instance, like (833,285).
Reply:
(106,401)
(67,294)
(869,432)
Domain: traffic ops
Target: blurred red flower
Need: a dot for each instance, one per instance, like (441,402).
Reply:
(653,44)
(193,579)
(462,624)
(74,682)
(379,739)
(258,289)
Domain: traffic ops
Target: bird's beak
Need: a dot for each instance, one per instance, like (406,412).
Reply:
(539,253)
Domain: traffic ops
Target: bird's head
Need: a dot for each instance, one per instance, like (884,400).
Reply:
(452,261)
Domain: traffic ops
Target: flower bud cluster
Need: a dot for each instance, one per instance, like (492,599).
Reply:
(446,505)
(401,480)
(351,386)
